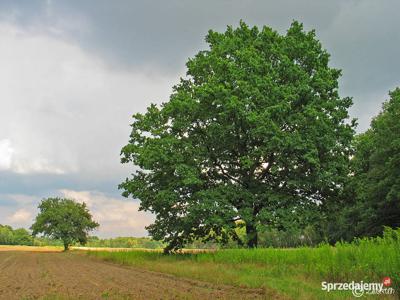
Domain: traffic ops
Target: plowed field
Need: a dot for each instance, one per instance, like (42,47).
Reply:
(59,275)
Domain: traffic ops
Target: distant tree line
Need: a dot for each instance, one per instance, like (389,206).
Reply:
(21,236)
(10,236)
(124,242)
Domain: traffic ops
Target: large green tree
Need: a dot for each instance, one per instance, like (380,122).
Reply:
(65,220)
(256,132)
(375,184)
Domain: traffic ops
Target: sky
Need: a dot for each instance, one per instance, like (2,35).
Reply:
(73,72)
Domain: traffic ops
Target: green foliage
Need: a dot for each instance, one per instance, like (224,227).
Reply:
(268,237)
(297,272)
(94,241)
(20,236)
(65,220)
(307,236)
(256,131)
(46,241)
(124,242)
(375,187)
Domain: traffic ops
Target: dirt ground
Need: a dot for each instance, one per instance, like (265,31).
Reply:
(30,248)
(58,275)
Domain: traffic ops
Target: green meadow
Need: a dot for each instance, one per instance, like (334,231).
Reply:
(293,272)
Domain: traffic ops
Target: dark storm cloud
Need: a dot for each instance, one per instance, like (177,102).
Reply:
(165,33)
(362,36)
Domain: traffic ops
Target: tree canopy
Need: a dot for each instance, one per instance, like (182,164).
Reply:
(255,132)
(65,220)
(375,184)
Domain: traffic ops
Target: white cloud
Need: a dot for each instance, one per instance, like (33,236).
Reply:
(6,152)
(21,199)
(21,216)
(116,216)
(18,210)
(64,110)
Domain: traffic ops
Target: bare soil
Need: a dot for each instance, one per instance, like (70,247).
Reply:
(30,248)
(59,275)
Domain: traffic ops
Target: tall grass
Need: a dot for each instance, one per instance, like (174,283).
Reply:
(367,259)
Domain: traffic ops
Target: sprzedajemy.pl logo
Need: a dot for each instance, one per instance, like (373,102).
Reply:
(360,288)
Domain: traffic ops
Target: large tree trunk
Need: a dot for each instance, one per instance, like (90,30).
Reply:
(252,237)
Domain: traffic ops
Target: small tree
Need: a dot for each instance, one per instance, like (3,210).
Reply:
(64,219)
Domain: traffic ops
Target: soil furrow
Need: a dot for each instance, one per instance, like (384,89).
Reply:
(29,275)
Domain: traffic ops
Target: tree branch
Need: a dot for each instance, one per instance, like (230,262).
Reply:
(226,174)
(266,170)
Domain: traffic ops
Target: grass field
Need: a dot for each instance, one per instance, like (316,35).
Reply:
(296,273)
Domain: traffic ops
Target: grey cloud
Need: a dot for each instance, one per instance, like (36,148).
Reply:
(362,36)
(63,110)
(45,185)
(165,33)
